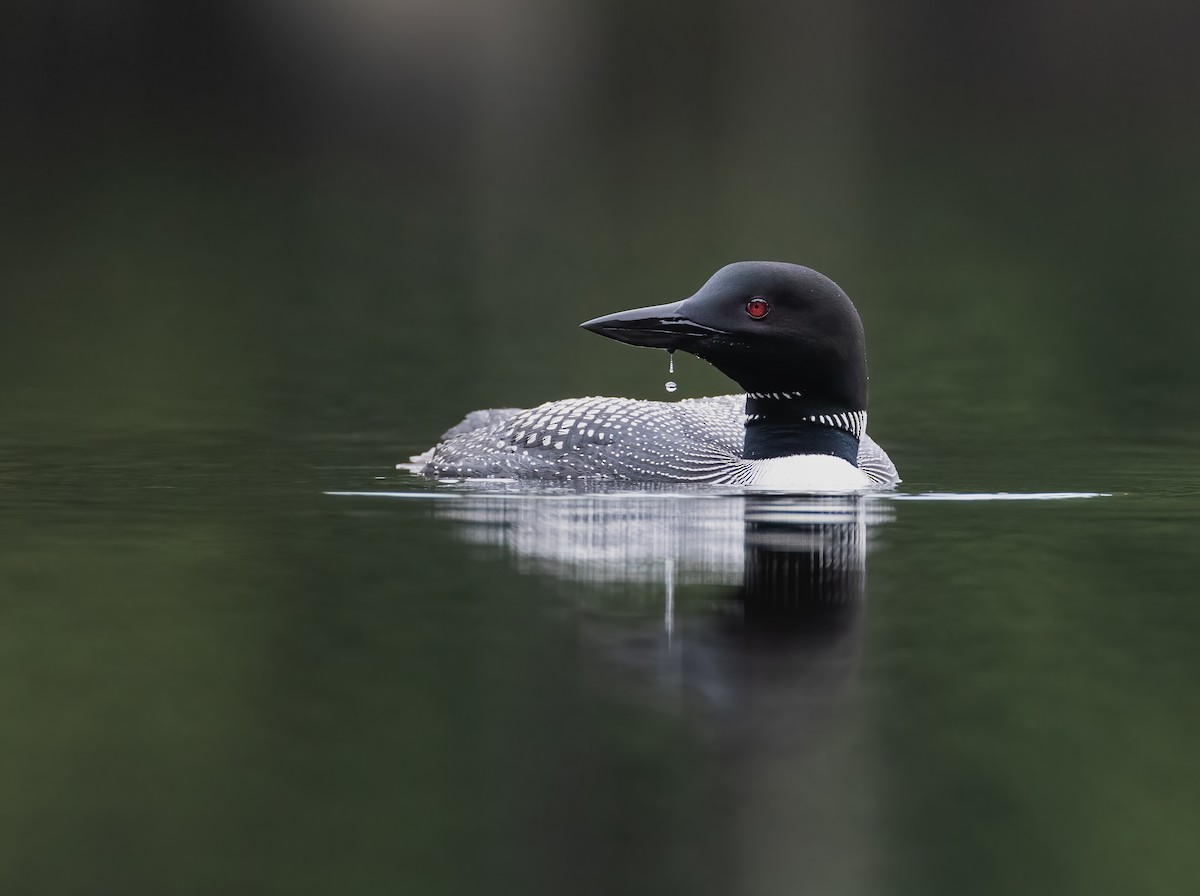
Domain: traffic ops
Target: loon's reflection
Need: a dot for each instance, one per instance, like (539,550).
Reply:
(741,615)
(805,561)
(702,594)
(604,539)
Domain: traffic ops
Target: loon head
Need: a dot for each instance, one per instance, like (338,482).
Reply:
(769,326)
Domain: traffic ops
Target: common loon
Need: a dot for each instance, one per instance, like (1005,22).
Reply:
(786,334)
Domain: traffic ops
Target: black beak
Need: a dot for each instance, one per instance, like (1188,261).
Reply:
(659,326)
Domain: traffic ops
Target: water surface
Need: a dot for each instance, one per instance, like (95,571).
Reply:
(217,670)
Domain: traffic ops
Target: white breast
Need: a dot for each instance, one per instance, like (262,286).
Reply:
(809,473)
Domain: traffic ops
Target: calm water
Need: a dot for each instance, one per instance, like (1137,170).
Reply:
(216,671)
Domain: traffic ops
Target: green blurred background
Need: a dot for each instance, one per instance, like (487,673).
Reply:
(253,251)
(215,212)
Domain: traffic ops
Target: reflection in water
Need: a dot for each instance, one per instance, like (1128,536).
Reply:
(805,561)
(611,539)
(790,573)
(758,665)
(734,618)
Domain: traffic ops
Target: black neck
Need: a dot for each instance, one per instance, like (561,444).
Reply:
(779,427)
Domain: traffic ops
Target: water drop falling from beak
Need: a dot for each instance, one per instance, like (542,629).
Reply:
(671,387)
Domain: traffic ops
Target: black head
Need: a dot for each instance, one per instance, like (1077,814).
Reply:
(770,326)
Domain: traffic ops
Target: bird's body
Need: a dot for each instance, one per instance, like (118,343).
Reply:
(787,334)
(624,439)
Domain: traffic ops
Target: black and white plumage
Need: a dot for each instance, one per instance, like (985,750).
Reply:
(787,334)
(621,439)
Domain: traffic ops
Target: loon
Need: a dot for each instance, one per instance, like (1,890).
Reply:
(788,335)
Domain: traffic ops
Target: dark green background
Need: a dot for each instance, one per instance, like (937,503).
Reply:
(250,253)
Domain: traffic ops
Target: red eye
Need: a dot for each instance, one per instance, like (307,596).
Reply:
(758,308)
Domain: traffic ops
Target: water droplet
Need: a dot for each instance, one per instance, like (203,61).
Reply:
(670,360)
(671,387)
